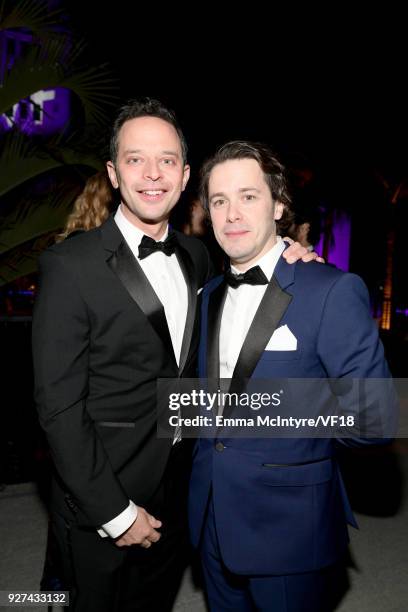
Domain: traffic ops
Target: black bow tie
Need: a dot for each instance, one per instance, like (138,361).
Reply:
(253,276)
(149,246)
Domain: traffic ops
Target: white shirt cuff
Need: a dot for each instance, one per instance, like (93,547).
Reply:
(120,523)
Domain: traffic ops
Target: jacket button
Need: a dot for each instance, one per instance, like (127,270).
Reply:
(219,447)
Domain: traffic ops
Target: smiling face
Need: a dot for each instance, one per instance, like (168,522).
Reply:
(149,170)
(242,211)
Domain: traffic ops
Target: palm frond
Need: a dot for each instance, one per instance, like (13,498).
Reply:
(30,74)
(23,259)
(33,204)
(96,89)
(31,14)
(21,160)
(31,219)
(93,86)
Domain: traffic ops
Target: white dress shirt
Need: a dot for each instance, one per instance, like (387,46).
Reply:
(240,307)
(167,279)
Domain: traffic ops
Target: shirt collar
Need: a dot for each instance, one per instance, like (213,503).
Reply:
(268,262)
(131,233)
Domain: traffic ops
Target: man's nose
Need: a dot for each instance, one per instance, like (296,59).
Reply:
(152,171)
(233,212)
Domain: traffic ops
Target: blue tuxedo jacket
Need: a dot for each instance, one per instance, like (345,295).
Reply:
(290,515)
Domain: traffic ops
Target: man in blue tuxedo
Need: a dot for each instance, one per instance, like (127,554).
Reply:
(270,515)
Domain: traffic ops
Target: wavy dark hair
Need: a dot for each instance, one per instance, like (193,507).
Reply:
(273,169)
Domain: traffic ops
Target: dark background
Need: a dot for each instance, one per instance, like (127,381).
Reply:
(326,89)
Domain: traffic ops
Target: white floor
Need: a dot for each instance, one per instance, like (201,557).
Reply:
(379,582)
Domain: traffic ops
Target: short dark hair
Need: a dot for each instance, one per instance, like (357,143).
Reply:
(273,169)
(144,107)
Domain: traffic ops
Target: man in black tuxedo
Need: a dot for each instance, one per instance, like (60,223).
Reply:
(116,310)
(112,316)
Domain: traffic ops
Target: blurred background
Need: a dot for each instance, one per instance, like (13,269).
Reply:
(328,95)
(325,88)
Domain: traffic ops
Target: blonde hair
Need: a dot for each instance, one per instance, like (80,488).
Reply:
(92,206)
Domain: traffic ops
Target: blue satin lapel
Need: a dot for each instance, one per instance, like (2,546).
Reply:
(271,310)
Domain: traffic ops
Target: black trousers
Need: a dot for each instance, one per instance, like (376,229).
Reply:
(102,577)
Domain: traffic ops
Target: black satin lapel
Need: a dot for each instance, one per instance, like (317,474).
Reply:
(125,265)
(187,268)
(271,309)
(215,308)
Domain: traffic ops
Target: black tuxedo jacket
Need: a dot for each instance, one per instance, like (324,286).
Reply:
(100,341)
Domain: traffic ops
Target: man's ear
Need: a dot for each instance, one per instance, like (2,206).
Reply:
(186,176)
(278,210)
(110,167)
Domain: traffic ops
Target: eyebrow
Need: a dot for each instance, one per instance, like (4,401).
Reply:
(174,153)
(241,190)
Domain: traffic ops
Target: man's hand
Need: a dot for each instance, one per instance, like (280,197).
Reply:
(142,531)
(296,251)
